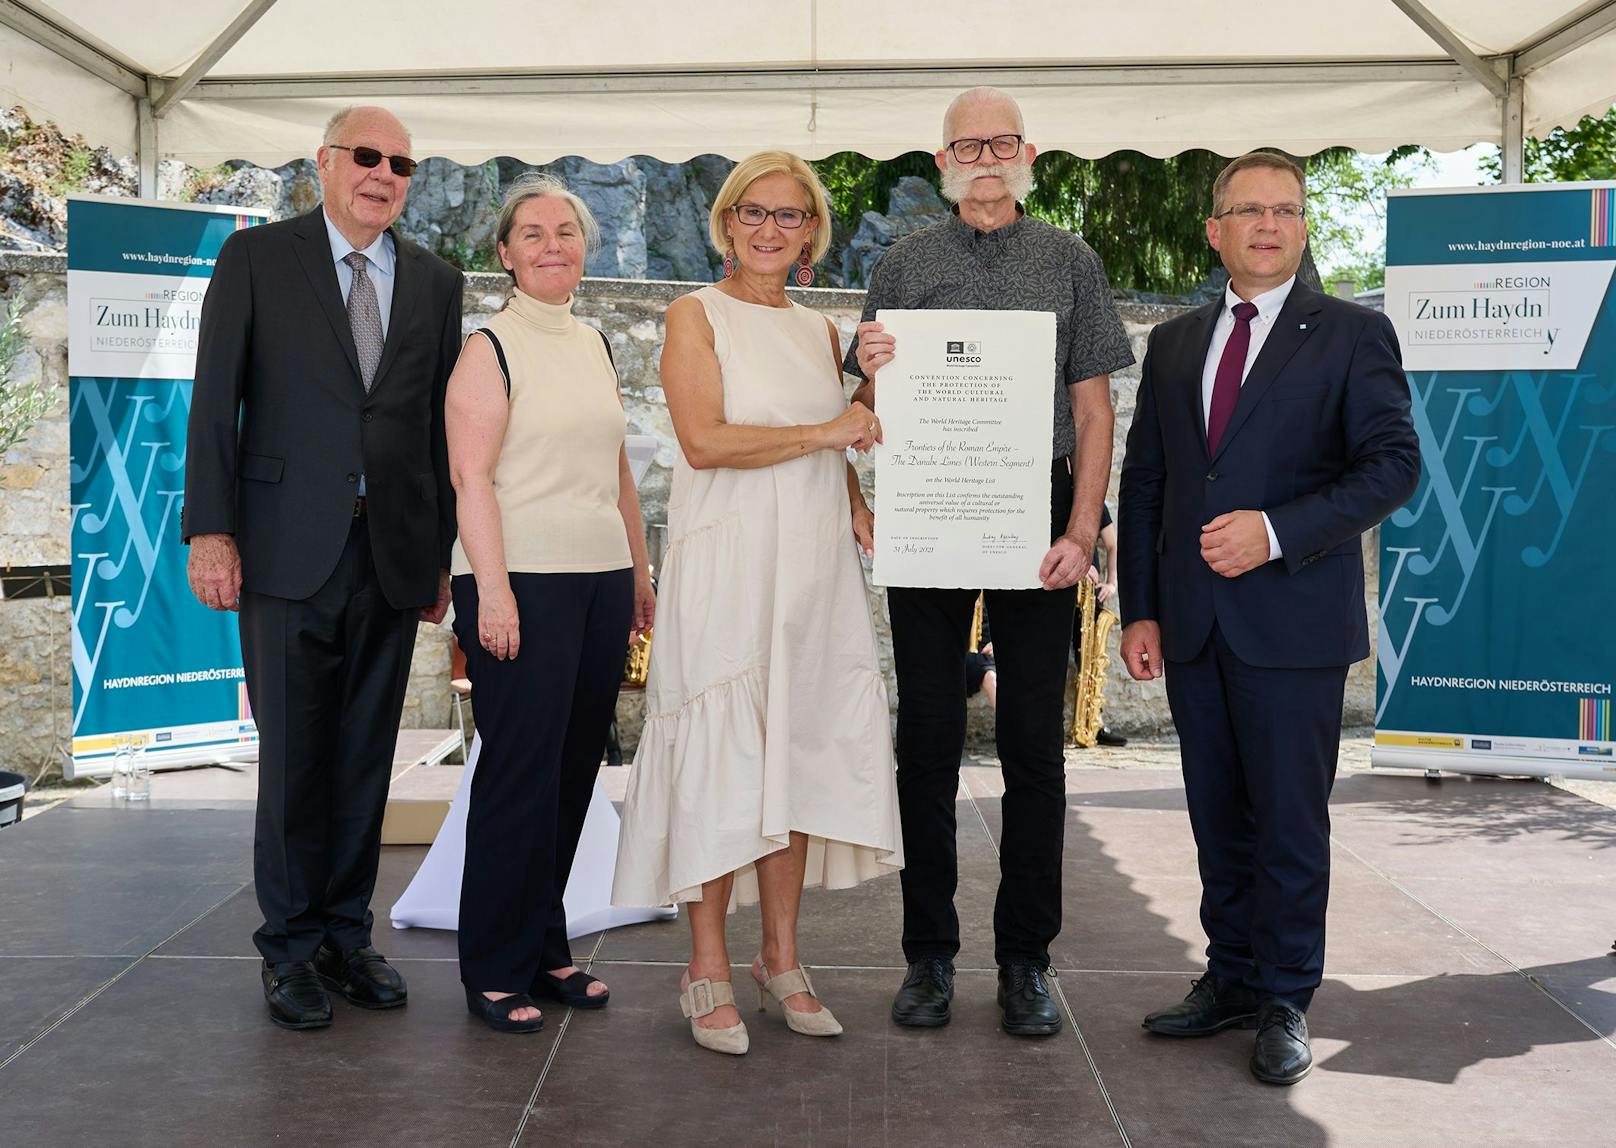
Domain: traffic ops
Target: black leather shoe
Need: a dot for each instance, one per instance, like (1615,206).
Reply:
(295,997)
(1213,1005)
(1030,1009)
(362,976)
(1282,1055)
(1106,737)
(924,1000)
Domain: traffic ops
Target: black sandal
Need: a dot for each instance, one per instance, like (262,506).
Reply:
(497,1014)
(572,991)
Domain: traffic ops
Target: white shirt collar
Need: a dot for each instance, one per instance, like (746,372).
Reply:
(1268,303)
(380,252)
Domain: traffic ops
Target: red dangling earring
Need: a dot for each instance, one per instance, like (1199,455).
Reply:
(729,265)
(805,270)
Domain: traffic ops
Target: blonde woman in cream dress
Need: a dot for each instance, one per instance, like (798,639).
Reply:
(765,766)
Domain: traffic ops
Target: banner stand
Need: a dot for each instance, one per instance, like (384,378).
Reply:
(151,665)
(1497,641)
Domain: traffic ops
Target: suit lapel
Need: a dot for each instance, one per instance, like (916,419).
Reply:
(1292,326)
(314,253)
(406,284)
(1193,366)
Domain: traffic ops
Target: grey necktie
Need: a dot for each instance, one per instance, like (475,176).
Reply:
(365,316)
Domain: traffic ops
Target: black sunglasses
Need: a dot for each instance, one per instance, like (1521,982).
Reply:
(402,165)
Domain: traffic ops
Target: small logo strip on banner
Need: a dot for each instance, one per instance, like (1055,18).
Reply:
(1603,212)
(1420,740)
(1593,719)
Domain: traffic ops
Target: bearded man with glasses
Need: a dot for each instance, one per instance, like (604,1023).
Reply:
(1272,429)
(989,255)
(318,504)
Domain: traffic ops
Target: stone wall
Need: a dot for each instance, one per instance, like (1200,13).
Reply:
(35,673)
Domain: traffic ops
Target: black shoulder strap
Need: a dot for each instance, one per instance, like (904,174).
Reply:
(499,353)
(608,343)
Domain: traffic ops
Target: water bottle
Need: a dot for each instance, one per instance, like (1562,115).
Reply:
(121,764)
(139,772)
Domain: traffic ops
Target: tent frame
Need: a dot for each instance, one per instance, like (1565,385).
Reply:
(1504,76)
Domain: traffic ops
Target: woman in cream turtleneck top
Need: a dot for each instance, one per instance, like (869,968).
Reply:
(551,543)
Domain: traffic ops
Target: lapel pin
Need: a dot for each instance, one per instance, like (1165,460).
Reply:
(1303,327)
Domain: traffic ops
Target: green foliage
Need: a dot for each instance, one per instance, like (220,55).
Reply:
(1144,217)
(856,183)
(1565,155)
(199,179)
(483,257)
(1344,189)
(21,404)
(75,168)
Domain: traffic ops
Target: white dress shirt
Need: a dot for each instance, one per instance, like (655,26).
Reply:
(379,257)
(1268,305)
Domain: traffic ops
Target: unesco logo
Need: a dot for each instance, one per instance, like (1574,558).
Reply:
(963,351)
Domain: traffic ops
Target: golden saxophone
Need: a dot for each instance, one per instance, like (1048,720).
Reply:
(638,663)
(1095,626)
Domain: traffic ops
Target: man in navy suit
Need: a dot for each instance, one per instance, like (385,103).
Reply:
(1272,429)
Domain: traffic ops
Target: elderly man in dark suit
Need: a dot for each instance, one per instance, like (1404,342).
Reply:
(1272,429)
(317,502)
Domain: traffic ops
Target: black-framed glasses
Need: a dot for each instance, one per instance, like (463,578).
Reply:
(790,218)
(969,151)
(402,165)
(1252,212)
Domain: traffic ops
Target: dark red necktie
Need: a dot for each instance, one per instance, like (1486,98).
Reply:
(1231,368)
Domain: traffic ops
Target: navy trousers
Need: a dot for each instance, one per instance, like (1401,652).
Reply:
(1259,750)
(542,717)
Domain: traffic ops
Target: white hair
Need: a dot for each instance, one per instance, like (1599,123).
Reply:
(974,96)
(334,125)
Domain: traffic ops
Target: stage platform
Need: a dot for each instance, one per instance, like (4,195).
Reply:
(1470,997)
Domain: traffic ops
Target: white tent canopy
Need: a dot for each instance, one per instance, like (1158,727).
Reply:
(209,80)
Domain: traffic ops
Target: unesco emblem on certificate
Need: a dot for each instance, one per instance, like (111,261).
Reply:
(963,351)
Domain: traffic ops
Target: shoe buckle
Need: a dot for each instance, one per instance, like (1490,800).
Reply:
(701,997)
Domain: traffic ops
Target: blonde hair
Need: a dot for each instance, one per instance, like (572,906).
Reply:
(755,167)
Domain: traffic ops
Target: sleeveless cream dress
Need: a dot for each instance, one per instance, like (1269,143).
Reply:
(766,711)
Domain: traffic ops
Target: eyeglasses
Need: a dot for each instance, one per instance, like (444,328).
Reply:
(969,151)
(753,215)
(1252,212)
(402,165)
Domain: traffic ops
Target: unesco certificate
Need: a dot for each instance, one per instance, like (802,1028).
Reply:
(962,478)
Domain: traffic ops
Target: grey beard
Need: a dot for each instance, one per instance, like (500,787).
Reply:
(1017,179)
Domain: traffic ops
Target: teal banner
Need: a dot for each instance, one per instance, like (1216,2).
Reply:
(1497,641)
(150,663)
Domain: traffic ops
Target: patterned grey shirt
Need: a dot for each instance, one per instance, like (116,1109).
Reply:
(1028,265)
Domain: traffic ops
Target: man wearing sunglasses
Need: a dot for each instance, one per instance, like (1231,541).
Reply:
(1272,429)
(990,255)
(318,504)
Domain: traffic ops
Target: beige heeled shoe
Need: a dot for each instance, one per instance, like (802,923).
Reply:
(696,1000)
(789,983)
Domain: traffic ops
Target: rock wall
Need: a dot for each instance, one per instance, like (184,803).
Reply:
(35,674)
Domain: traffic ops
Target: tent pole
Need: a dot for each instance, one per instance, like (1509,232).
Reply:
(1512,143)
(177,90)
(146,156)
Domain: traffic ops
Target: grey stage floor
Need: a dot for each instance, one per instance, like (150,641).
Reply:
(1470,997)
